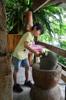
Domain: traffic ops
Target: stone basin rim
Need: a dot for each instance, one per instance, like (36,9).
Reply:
(37,67)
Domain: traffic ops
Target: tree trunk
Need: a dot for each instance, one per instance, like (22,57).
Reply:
(5,69)
(3,31)
(28,24)
(28,20)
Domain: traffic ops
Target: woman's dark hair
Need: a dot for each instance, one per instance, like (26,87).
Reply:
(38,26)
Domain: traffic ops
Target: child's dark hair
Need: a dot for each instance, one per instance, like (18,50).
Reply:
(38,26)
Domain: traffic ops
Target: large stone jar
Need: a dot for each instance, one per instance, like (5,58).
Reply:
(46,79)
(45,84)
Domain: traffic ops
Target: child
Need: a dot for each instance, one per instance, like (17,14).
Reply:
(20,55)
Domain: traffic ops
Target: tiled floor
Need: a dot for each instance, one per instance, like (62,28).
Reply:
(25,95)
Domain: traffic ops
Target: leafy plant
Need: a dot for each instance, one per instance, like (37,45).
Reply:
(15,10)
(43,16)
(62,60)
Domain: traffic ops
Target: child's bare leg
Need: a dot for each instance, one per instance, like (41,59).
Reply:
(15,76)
(16,88)
(26,73)
(27,82)
(30,58)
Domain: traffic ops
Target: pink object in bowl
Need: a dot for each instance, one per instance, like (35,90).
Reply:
(38,48)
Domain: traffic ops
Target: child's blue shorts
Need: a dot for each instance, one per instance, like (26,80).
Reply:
(20,63)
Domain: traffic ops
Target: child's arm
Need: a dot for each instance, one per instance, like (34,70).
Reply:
(26,44)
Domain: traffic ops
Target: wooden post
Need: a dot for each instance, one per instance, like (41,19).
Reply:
(28,25)
(5,69)
(28,20)
(3,31)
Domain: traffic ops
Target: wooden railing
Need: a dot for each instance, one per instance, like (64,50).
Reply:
(57,50)
(12,40)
